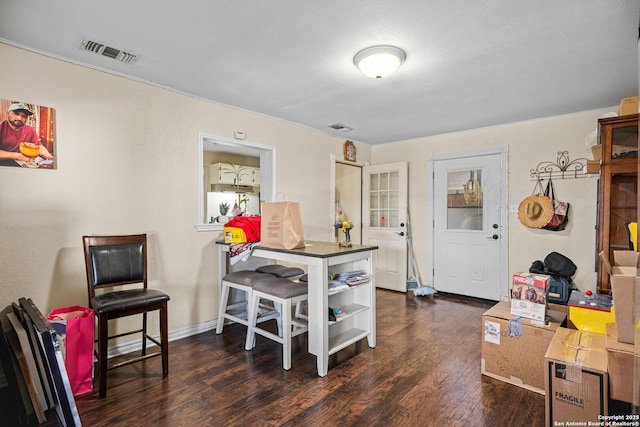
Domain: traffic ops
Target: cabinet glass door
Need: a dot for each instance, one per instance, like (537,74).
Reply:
(624,142)
(623,209)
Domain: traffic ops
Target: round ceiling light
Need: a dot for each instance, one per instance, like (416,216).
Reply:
(379,61)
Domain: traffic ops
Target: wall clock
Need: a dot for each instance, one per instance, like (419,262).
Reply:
(349,151)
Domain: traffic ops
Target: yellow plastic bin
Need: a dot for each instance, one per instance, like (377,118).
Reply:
(591,313)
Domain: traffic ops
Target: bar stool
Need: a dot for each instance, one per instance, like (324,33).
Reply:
(243,281)
(283,293)
(291,273)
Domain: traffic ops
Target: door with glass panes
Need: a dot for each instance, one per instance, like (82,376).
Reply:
(384,222)
(469,254)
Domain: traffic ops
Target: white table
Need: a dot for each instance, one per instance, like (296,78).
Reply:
(359,303)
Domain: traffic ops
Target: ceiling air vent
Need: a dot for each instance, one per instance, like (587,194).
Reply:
(340,127)
(108,51)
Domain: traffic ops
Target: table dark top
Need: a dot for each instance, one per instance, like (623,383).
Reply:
(318,249)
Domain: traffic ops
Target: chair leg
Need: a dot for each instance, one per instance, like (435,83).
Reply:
(103,338)
(164,335)
(144,334)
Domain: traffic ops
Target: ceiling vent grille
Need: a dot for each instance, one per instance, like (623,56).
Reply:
(340,127)
(108,51)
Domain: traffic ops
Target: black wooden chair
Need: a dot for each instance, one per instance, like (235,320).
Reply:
(111,262)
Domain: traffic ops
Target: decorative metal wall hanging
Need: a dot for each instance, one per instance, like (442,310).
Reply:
(563,168)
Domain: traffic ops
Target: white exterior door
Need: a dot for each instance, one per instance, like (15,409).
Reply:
(470,235)
(384,222)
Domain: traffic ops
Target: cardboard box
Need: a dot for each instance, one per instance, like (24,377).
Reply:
(529,295)
(576,379)
(623,288)
(626,259)
(620,366)
(593,166)
(628,106)
(596,150)
(513,348)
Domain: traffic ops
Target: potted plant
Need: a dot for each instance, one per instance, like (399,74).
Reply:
(238,172)
(224,208)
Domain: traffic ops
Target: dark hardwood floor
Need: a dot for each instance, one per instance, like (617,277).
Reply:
(424,371)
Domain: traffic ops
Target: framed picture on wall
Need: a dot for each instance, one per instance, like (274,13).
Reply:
(27,135)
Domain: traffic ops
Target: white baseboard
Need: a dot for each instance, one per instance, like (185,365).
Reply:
(130,347)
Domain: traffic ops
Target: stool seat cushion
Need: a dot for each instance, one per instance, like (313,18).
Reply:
(281,288)
(125,300)
(280,270)
(245,277)
(304,278)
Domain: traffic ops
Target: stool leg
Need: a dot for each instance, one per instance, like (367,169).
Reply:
(285,307)
(252,317)
(280,308)
(222,308)
(298,309)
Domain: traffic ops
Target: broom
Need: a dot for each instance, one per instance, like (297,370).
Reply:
(414,281)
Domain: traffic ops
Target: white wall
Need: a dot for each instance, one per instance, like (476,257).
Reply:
(529,143)
(126,156)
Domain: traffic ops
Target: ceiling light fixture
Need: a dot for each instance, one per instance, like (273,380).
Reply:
(379,61)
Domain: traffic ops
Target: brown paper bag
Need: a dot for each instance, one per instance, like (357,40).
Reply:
(281,226)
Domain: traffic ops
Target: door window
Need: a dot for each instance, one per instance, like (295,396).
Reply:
(383,200)
(464,200)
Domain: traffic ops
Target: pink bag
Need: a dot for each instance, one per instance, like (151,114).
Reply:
(76,326)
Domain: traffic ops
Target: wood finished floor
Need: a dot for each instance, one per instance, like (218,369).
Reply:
(424,371)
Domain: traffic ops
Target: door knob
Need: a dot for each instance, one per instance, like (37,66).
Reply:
(402,224)
(494,237)
(400,233)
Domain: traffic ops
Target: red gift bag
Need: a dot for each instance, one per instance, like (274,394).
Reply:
(76,327)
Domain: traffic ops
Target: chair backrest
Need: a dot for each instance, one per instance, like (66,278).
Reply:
(632,232)
(115,261)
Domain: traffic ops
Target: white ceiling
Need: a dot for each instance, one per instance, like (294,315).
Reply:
(469,63)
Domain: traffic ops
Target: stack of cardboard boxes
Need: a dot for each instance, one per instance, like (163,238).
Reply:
(517,334)
(620,336)
(577,370)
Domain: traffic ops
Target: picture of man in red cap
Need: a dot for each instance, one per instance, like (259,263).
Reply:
(15,130)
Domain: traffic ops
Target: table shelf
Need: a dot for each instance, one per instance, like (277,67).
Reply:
(345,339)
(349,311)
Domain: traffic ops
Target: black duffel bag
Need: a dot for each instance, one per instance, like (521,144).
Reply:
(555,264)
(559,265)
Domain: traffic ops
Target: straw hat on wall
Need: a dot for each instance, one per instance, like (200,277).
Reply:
(535,211)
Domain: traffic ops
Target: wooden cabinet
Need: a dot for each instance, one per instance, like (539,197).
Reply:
(618,188)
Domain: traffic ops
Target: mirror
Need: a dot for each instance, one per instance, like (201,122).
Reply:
(232,174)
